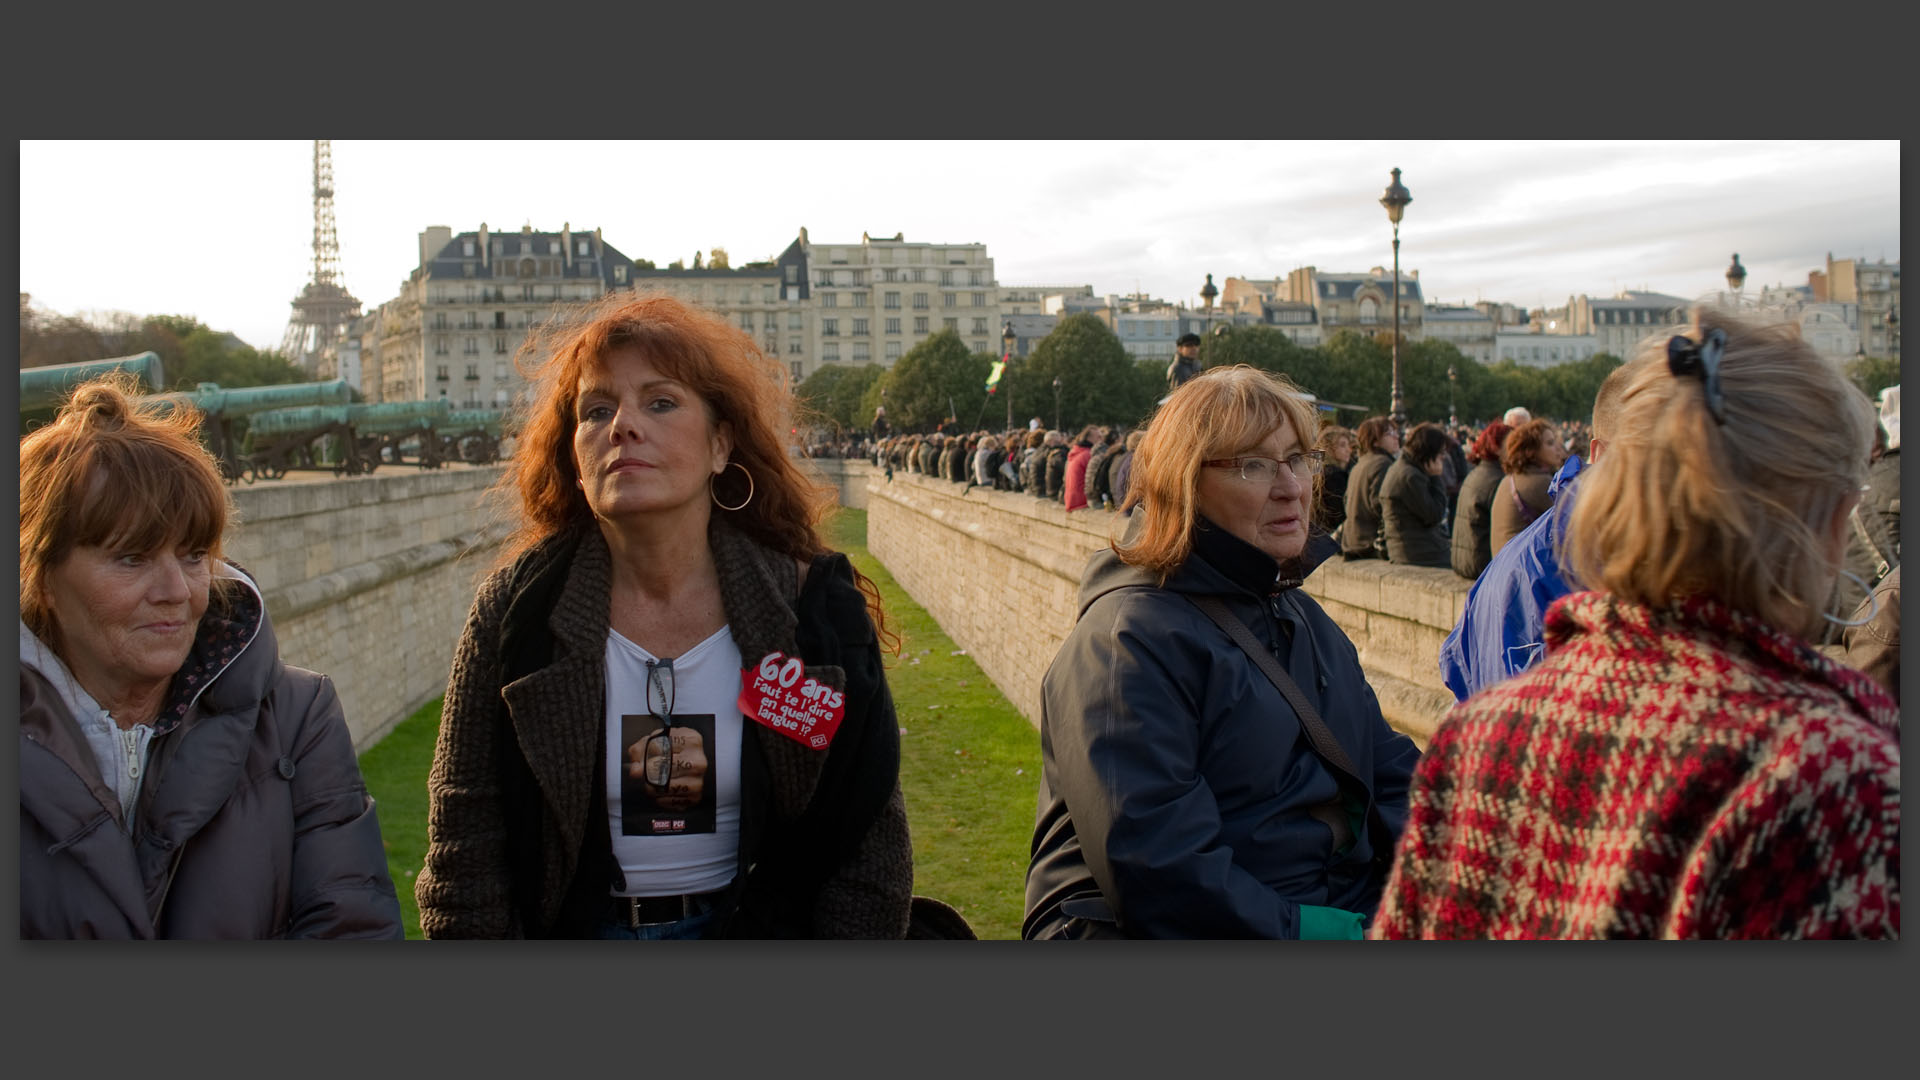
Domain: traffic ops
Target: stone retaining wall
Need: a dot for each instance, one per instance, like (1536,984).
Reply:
(1001,572)
(369,579)
(847,475)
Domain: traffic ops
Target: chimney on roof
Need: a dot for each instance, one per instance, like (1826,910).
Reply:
(566,243)
(599,245)
(433,241)
(483,244)
(803,236)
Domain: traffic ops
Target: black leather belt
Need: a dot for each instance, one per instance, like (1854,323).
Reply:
(636,911)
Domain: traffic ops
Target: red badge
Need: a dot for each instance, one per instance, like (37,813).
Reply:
(779,694)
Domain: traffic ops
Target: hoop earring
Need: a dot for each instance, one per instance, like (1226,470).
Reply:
(716,498)
(1873,603)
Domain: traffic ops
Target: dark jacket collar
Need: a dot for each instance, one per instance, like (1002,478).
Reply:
(1221,564)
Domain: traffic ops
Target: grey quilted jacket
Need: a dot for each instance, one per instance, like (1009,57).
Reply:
(251,822)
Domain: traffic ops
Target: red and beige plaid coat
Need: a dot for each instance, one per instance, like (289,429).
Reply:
(1683,773)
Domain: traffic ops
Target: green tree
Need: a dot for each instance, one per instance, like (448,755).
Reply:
(1573,386)
(1359,371)
(833,394)
(717,259)
(1873,374)
(1099,382)
(1269,350)
(934,379)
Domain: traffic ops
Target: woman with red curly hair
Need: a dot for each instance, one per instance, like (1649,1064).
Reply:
(1530,456)
(1473,517)
(667,716)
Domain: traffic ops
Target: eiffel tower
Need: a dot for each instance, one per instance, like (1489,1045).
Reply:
(324,308)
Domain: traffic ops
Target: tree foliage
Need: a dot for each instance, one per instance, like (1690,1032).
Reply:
(833,395)
(190,352)
(1099,382)
(717,259)
(934,380)
(1873,374)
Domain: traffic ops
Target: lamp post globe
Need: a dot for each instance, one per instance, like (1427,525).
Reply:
(1056,403)
(1395,200)
(1453,380)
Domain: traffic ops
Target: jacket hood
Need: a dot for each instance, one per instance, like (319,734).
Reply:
(1199,575)
(223,666)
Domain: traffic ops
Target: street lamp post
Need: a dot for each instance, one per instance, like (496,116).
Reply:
(1056,403)
(1453,380)
(1008,338)
(1395,200)
(1736,277)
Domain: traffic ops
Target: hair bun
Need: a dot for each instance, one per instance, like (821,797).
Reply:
(105,403)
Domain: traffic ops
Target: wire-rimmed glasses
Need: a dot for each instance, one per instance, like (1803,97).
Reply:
(1264,470)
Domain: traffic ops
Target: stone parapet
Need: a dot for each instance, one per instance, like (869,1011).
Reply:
(848,476)
(1000,572)
(369,579)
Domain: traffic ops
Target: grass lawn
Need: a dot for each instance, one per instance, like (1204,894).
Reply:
(396,773)
(969,767)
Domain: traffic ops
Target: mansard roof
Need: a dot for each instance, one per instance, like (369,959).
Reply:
(450,261)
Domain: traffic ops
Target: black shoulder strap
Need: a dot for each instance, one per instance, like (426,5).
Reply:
(1329,813)
(1317,731)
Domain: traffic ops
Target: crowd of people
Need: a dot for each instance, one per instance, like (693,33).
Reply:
(1090,469)
(668,715)
(1678,692)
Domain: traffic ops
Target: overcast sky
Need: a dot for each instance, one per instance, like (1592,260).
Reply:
(224,231)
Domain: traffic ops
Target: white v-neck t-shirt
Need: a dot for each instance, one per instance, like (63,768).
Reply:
(684,838)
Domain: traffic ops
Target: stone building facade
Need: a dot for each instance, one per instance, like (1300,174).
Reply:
(875,299)
(459,319)
(1618,324)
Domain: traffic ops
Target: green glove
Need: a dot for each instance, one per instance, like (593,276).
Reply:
(1330,924)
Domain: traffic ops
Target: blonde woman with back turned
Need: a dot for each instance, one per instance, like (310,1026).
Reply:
(1683,764)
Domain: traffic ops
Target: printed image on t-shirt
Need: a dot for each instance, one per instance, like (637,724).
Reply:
(668,787)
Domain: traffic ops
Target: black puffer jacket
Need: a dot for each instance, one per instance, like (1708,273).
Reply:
(1413,515)
(251,821)
(1360,535)
(1176,782)
(1473,519)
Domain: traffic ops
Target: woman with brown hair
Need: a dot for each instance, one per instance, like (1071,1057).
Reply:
(177,779)
(1360,534)
(1684,763)
(1331,504)
(1213,762)
(1413,500)
(667,716)
(1529,457)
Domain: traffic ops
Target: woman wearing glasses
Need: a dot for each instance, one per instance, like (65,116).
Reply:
(667,716)
(1684,763)
(1214,764)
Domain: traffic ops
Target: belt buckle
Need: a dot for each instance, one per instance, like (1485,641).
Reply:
(633,911)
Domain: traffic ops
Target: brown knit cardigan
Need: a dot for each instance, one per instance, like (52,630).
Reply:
(518,837)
